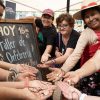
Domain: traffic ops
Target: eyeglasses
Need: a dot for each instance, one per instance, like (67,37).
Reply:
(62,26)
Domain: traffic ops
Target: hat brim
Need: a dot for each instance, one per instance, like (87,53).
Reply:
(48,14)
(77,15)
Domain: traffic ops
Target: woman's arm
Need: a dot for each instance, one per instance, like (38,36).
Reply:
(7,93)
(3,74)
(61,59)
(76,55)
(46,53)
(72,93)
(87,37)
(91,98)
(6,65)
(91,66)
(17,85)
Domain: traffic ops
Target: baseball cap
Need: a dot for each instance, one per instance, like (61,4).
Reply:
(48,12)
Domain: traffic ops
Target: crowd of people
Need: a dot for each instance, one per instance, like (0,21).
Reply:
(73,59)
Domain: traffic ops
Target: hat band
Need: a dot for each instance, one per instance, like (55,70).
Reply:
(89,5)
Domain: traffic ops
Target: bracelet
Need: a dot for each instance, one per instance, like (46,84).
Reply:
(14,70)
(82,96)
(12,76)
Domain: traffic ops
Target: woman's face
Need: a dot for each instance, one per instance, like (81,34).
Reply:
(92,19)
(46,20)
(64,28)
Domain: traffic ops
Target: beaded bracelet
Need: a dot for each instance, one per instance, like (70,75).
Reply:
(13,74)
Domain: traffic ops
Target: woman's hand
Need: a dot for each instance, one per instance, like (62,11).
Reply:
(40,85)
(68,91)
(55,75)
(45,57)
(41,95)
(41,88)
(24,75)
(58,54)
(71,77)
(25,68)
(43,65)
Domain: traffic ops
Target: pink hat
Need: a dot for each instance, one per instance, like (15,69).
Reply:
(86,4)
(48,12)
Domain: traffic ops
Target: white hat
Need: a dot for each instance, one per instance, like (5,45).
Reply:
(86,4)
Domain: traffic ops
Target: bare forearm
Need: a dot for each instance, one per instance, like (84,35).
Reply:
(11,94)
(91,98)
(60,59)
(6,65)
(3,74)
(18,85)
(48,49)
(87,69)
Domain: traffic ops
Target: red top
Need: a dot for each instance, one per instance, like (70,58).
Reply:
(90,50)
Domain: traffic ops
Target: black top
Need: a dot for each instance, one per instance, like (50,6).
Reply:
(49,36)
(71,44)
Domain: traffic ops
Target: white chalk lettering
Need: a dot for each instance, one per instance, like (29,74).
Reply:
(7,45)
(21,42)
(7,30)
(17,56)
(12,29)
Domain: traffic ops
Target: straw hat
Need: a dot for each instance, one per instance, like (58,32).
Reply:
(86,4)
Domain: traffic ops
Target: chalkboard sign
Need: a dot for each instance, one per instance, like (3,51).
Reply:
(18,43)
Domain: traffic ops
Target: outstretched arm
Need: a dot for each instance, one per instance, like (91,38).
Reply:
(91,66)
(72,93)
(6,65)
(7,93)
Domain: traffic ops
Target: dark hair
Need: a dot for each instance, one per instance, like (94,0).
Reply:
(93,8)
(67,17)
(1,4)
(38,23)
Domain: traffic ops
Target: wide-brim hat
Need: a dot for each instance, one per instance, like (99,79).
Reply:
(86,4)
(48,12)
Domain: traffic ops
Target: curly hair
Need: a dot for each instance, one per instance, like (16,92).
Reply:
(67,17)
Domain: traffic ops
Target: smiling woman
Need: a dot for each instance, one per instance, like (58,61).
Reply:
(87,45)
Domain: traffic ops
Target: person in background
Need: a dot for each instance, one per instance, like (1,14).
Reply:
(49,33)
(65,41)
(23,90)
(39,27)
(87,46)
(71,93)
